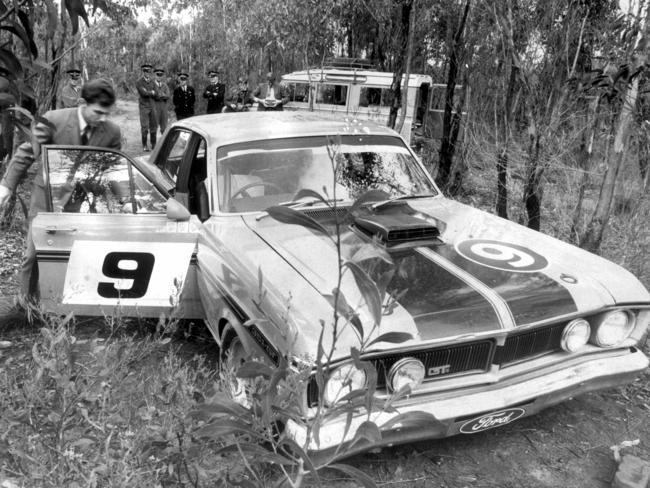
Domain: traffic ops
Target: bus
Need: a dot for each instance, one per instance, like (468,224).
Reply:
(354,90)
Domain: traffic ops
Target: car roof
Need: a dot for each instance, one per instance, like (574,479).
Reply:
(221,129)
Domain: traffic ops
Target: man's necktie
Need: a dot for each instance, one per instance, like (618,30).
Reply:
(85,135)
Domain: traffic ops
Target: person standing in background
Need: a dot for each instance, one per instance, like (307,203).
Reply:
(161,99)
(215,93)
(147,91)
(269,95)
(71,91)
(183,97)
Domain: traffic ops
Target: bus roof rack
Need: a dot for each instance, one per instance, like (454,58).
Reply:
(348,63)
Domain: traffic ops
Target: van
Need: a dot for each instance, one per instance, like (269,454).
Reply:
(352,89)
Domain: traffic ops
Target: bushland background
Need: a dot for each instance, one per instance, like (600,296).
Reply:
(555,137)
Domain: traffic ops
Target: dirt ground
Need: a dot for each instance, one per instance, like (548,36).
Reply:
(568,445)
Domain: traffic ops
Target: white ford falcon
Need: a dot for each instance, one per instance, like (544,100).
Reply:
(265,224)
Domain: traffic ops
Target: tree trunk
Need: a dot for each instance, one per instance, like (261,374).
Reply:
(407,74)
(449,135)
(400,54)
(593,235)
(502,183)
(532,187)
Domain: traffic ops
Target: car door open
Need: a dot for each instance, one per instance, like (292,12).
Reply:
(106,246)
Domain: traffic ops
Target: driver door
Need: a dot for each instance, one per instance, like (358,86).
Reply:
(106,246)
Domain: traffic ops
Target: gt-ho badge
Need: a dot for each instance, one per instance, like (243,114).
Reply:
(502,255)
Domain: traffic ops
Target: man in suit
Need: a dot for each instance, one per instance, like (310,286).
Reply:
(71,91)
(183,97)
(161,99)
(86,124)
(215,93)
(147,97)
(269,95)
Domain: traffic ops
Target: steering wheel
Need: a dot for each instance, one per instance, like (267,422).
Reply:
(254,184)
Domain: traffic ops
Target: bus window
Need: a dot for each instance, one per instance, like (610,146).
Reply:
(421,103)
(298,92)
(370,96)
(331,94)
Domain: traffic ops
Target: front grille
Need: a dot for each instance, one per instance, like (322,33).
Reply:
(441,362)
(528,344)
(438,363)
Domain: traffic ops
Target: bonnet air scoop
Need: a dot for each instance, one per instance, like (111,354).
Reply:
(397,223)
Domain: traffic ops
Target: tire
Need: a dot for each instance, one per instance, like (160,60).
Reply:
(232,356)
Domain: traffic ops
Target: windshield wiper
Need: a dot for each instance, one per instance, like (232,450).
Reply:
(377,205)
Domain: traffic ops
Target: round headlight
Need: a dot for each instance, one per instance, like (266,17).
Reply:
(406,372)
(612,328)
(342,381)
(575,335)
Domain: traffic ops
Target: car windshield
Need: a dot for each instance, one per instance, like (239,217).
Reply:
(255,175)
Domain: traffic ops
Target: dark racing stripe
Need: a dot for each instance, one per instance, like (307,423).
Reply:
(442,303)
(531,296)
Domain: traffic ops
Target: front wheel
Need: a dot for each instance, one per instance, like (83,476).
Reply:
(233,355)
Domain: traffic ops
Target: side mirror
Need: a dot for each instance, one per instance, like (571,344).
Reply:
(176,211)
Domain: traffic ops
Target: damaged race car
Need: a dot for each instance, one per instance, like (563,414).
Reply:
(268,225)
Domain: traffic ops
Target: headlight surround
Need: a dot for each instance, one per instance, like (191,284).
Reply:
(575,335)
(343,380)
(406,372)
(612,328)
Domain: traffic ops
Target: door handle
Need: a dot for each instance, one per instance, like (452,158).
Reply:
(54,230)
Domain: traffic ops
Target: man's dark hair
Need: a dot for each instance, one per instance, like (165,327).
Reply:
(99,91)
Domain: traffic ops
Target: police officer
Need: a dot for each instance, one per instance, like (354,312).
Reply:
(71,91)
(215,93)
(183,97)
(161,99)
(147,91)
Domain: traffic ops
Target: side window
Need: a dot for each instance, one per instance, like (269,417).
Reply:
(375,97)
(298,92)
(192,180)
(170,157)
(331,94)
(86,181)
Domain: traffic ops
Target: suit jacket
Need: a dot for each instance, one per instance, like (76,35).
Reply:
(162,91)
(262,91)
(64,130)
(184,102)
(215,93)
(69,96)
(144,87)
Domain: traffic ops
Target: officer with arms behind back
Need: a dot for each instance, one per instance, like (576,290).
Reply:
(183,97)
(147,91)
(71,91)
(161,99)
(86,124)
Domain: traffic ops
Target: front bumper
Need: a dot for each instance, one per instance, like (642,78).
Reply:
(530,392)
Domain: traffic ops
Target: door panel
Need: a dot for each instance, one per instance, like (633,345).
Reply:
(109,245)
(93,263)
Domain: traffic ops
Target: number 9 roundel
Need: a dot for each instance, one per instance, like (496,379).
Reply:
(502,255)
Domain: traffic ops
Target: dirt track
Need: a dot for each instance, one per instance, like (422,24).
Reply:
(565,446)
